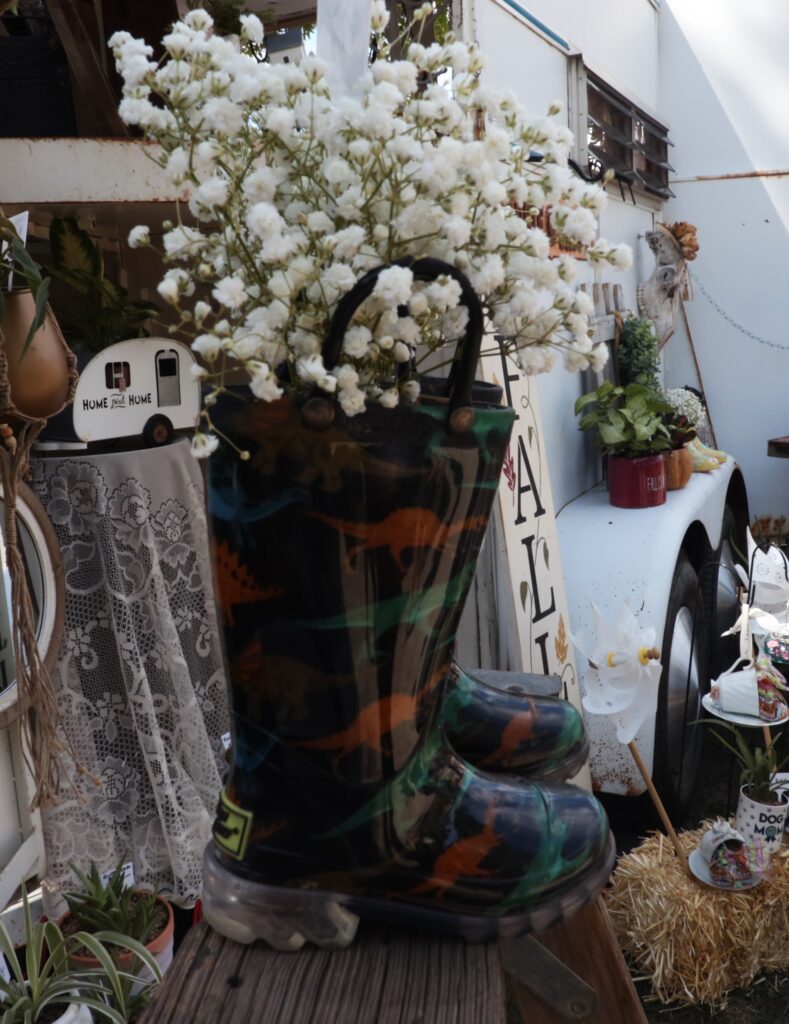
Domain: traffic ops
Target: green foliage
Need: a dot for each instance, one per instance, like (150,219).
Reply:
(110,315)
(15,259)
(629,421)
(112,905)
(637,356)
(759,765)
(46,980)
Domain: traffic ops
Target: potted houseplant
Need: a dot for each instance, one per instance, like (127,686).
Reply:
(107,313)
(46,987)
(631,431)
(113,906)
(762,805)
(340,247)
(637,358)
(686,411)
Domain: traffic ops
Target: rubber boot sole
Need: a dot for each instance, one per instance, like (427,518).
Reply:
(286,918)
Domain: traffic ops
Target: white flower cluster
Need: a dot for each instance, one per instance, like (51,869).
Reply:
(295,195)
(685,403)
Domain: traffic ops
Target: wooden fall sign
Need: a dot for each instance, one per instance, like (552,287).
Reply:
(530,539)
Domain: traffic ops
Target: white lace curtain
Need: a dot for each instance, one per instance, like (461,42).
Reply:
(139,677)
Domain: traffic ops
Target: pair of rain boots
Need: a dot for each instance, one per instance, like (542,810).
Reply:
(370,778)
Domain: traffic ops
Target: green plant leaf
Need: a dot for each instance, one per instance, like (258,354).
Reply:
(546,556)
(42,295)
(73,251)
(25,263)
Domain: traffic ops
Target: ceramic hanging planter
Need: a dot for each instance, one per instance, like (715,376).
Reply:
(762,821)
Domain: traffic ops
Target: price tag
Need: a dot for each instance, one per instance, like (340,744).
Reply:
(226,740)
(128,875)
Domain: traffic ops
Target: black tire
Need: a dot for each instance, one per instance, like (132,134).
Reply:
(157,431)
(677,741)
(719,587)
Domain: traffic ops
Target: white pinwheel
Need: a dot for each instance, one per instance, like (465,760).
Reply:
(623,673)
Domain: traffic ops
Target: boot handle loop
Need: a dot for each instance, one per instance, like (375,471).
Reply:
(461,376)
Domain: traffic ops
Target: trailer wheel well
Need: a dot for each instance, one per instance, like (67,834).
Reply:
(696,544)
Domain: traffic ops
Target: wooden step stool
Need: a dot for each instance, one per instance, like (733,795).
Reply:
(391,976)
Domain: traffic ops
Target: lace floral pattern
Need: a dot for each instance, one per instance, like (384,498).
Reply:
(139,676)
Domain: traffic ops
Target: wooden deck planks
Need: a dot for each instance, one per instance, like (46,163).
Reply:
(386,976)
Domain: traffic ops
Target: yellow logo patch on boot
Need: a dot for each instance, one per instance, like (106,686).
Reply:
(232,827)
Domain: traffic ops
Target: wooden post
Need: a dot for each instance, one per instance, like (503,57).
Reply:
(678,847)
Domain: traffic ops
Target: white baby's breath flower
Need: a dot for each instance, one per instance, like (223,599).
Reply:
(389,398)
(352,401)
(264,220)
(379,15)
(230,292)
(208,346)
(252,28)
(357,341)
(300,194)
(204,445)
(139,235)
(393,286)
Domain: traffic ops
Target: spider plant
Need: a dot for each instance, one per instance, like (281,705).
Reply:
(44,979)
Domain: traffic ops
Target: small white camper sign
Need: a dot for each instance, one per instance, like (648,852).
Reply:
(140,387)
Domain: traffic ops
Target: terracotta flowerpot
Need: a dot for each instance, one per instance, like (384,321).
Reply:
(762,821)
(637,483)
(679,468)
(39,379)
(160,947)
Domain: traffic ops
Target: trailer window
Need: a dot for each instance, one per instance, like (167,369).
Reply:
(117,376)
(623,137)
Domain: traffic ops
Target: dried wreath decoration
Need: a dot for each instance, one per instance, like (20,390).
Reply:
(295,194)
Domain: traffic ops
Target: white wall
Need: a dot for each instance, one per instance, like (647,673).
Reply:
(726,94)
(617,38)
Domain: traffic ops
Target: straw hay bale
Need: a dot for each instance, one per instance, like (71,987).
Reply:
(694,943)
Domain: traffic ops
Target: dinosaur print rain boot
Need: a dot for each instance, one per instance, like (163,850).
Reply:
(344,551)
(510,731)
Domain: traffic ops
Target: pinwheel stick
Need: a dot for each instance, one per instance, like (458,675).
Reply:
(681,855)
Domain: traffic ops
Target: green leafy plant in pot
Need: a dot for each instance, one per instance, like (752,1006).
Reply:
(637,359)
(111,905)
(43,985)
(108,314)
(630,429)
(686,411)
(762,806)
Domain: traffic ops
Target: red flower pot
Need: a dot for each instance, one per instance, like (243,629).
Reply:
(637,483)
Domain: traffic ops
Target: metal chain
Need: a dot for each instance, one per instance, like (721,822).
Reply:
(733,322)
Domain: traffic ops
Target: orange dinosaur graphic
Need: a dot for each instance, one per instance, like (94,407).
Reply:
(368,728)
(266,831)
(374,722)
(461,860)
(279,680)
(235,584)
(518,729)
(403,529)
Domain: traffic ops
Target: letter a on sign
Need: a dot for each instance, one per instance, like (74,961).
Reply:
(531,557)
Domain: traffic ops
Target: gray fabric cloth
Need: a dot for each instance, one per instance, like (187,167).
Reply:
(139,678)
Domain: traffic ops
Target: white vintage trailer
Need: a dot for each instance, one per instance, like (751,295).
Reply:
(605,63)
(143,387)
